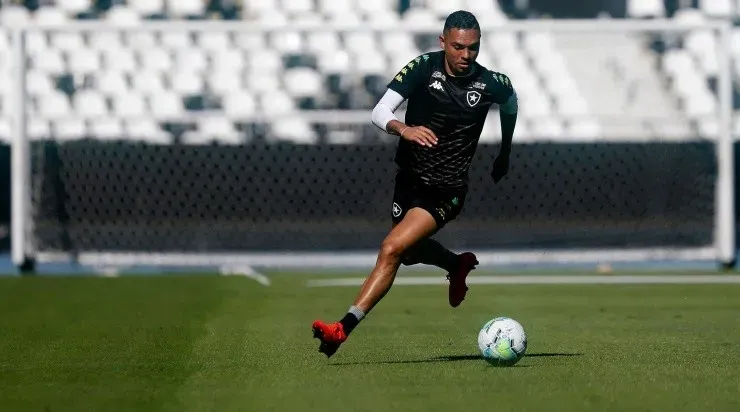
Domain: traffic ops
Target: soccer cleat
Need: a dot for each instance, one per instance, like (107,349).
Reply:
(458,288)
(331,336)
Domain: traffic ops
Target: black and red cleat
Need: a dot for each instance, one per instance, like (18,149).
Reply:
(458,288)
(331,336)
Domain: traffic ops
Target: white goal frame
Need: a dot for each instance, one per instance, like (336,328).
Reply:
(721,251)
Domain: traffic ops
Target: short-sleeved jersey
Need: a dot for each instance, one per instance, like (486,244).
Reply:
(454,108)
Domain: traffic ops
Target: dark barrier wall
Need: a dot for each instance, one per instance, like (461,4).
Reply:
(113,196)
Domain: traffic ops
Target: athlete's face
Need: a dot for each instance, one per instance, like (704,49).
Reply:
(461,49)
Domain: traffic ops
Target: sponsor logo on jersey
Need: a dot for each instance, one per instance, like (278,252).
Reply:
(478,85)
(437,85)
(473,98)
(438,75)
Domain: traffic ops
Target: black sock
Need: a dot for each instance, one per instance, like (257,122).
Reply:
(352,319)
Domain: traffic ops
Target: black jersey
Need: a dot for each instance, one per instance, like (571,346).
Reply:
(454,108)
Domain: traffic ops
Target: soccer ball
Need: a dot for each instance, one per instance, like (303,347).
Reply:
(502,341)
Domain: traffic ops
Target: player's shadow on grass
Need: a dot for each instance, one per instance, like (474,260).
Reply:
(454,358)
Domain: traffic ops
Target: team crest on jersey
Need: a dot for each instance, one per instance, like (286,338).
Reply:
(396,210)
(473,98)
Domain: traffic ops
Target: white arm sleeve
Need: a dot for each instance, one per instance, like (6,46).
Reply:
(512,105)
(383,111)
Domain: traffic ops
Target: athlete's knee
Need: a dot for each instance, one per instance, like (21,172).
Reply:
(392,249)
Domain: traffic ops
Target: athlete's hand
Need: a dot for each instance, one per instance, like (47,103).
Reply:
(500,168)
(420,135)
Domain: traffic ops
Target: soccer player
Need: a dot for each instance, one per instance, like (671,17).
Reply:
(449,95)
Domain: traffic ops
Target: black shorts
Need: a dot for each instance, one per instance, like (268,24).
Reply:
(410,192)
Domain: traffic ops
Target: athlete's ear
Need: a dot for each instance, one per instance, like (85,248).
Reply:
(442,41)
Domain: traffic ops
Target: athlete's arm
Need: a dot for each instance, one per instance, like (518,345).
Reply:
(384,118)
(504,94)
(409,79)
(508,113)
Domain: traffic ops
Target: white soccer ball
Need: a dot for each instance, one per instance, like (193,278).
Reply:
(502,341)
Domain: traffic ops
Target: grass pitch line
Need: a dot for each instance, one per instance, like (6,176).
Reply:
(245,271)
(543,280)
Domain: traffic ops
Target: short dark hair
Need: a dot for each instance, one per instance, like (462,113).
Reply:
(461,19)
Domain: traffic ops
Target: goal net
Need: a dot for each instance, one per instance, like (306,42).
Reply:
(200,144)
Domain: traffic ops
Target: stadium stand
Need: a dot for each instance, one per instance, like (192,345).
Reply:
(142,85)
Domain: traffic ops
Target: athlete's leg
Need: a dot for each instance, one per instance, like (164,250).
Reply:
(416,225)
(430,252)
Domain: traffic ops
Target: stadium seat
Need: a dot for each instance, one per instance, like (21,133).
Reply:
(166,105)
(286,41)
(176,40)
(214,41)
(6,130)
(222,81)
(187,82)
(83,61)
(74,7)
(38,128)
(69,128)
(11,15)
(50,16)
(148,82)
(717,8)
(191,59)
(239,104)
(129,105)
(442,8)
(155,59)
(294,130)
(111,83)
(145,129)
(38,83)
(54,106)
(219,129)
(120,15)
(185,8)
(106,128)
(302,82)
(256,7)
(89,104)
(146,8)
(645,8)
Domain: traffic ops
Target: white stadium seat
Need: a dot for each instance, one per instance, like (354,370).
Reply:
(224,82)
(146,7)
(69,129)
(54,105)
(239,104)
(130,105)
(148,82)
(120,15)
(303,82)
(166,105)
(185,8)
(106,128)
(187,83)
(645,8)
(146,129)
(74,6)
(89,104)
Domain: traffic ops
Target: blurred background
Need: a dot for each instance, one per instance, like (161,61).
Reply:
(255,136)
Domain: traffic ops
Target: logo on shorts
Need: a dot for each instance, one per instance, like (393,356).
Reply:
(473,98)
(396,210)
(455,201)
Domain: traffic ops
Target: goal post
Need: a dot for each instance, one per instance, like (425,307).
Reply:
(311,188)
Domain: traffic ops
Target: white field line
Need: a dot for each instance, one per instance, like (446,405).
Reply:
(542,280)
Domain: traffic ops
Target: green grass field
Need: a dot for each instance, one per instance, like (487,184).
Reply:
(208,343)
